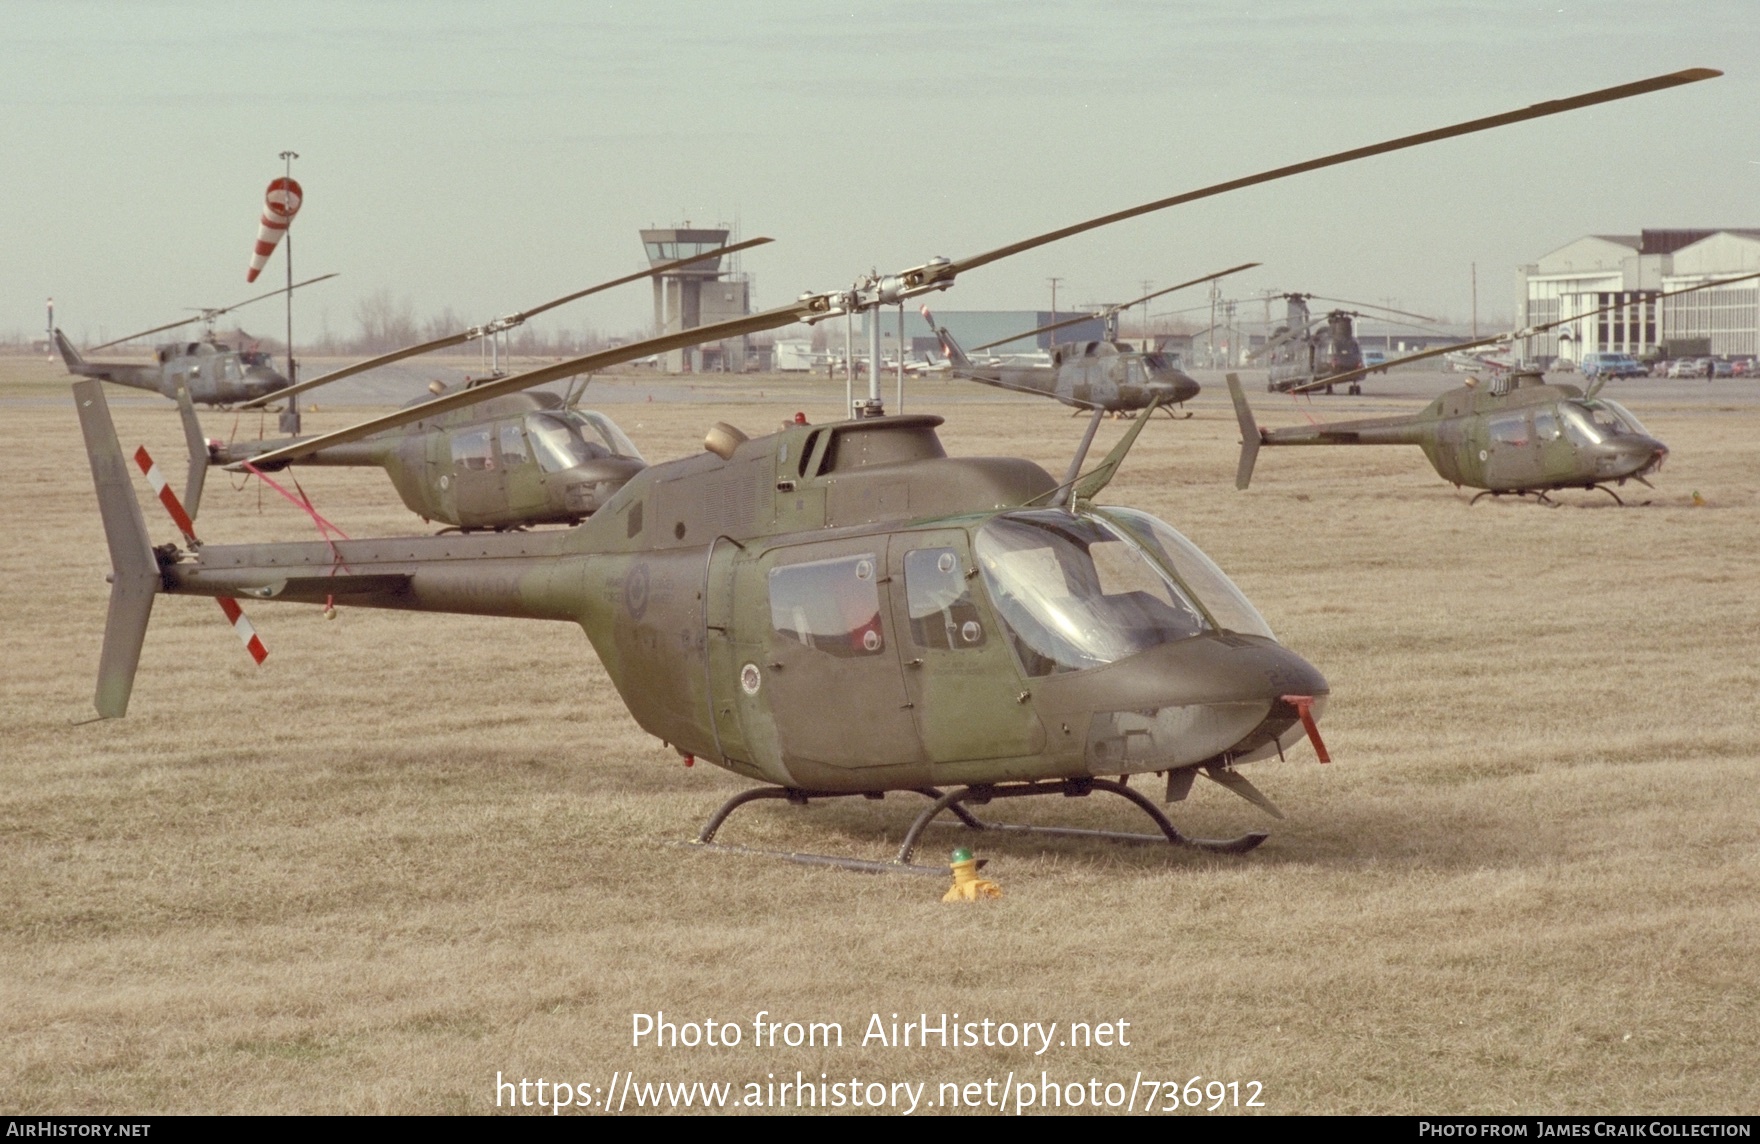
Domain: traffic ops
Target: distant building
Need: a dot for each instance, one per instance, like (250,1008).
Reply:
(1607,269)
(970,328)
(697,295)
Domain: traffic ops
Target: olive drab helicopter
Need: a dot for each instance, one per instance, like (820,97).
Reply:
(838,609)
(510,462)
(1516,436)
(211,371)
(1305,348)
(1108,374)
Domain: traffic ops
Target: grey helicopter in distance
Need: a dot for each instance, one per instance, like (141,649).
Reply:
(211,371)
(1305,348)
(1107,375)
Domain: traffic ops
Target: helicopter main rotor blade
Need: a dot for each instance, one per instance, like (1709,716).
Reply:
(940,273)
(506,323)
(948,270)
(1507,336)
(362,367)
(207,314)
(1110,310)
(1373,306)
(652,271)
(810,307)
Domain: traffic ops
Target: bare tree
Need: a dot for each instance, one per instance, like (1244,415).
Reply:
(386,323)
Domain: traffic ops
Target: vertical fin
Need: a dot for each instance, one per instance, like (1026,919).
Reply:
(1237,782)
(955,355)
(1243,473)
(135,570)
(198,451)
(69,356)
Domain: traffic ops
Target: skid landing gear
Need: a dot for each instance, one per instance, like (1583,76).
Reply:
(1540,495)
(955,801)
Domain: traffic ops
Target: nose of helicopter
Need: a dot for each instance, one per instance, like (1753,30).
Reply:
(592,483)
(1189,702)
(1631,455)
(262,381)
(1174,386)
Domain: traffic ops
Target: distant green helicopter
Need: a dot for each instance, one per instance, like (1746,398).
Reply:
(1106,375)
(211,371)
(1516,436)
(511,461)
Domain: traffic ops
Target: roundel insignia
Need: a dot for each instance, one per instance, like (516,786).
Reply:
(635,591)
(750,679)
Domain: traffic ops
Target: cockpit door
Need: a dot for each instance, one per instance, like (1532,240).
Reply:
(831,664)
(964,686)
(477,476)
(1514,461)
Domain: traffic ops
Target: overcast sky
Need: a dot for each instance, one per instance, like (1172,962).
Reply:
(489,157)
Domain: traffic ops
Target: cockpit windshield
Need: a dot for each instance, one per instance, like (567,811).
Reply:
(566,440)
(1195,573)
(1601,419)
(1075,593)
(608,432)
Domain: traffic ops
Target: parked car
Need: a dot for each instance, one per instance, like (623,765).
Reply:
(1610,365)
(1685,367)
(1742,367)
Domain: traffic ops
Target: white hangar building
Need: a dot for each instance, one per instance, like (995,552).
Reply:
(1604,269)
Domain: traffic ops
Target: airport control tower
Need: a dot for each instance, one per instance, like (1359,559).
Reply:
(696,295)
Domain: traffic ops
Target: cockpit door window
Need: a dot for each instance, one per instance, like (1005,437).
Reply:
(942,614)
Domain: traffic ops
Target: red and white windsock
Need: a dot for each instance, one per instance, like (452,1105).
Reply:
(280,204)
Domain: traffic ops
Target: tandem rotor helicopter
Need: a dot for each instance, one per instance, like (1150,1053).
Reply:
(1107,374)
(1305,352)
(840,609)
(1517,436)
(212,372)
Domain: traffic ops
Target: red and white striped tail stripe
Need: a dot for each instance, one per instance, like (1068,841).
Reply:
(165,495)
(241,627)
(280,203)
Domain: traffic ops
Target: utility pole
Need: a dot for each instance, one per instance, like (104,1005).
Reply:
(290,415)
(1052,337)
(1475,300)
(1210,338)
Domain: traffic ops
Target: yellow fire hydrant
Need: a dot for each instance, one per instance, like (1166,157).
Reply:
(967,885)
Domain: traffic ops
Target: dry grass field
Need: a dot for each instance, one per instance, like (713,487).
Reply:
(412,852)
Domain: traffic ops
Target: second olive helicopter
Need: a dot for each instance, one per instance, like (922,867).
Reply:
(511,461)
(1516,436)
